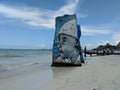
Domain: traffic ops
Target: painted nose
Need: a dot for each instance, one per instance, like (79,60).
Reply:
(59,48)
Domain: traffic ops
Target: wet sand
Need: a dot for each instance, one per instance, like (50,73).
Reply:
(98,73)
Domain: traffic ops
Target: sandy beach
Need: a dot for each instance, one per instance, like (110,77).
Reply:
(98,73)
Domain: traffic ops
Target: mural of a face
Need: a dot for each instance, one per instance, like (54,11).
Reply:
(66,46)
(68,41)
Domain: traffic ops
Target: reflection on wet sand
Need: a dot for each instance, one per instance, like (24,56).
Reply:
(58,71)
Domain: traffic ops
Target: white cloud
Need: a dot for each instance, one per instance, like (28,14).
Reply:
(116,37)
(114,40)
(69,8)
(88,45)
(42,45)
(104,42)
(38,16)
(31,16)
(88,31)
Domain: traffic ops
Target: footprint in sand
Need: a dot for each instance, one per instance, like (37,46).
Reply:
(116,83)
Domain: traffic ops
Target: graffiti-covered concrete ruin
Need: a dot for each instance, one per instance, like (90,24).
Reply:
(66,45)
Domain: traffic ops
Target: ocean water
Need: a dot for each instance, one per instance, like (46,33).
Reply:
(15,61)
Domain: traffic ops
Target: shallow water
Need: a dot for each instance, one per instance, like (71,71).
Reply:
(14,61)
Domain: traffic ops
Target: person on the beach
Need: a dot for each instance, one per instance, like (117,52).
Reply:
(69,45)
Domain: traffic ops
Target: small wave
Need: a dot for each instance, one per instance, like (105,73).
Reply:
(30,64)
(9,56)
(8,67)
(11,53)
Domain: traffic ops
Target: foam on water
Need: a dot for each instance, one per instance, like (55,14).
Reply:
(18,61)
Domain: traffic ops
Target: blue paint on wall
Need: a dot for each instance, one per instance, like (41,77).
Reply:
(60,21)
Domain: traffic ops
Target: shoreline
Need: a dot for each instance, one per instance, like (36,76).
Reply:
(98,73)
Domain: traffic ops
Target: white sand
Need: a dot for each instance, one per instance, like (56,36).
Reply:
(99,73)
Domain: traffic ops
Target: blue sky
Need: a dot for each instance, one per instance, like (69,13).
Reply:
(31,23)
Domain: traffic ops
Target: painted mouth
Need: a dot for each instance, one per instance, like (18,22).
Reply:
(60,50)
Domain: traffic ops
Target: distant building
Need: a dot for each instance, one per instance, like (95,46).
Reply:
(109,49)
(105,49)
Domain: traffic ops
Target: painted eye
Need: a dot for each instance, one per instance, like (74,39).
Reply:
(64,39)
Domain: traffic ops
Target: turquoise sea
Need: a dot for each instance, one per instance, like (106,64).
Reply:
(15,61)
